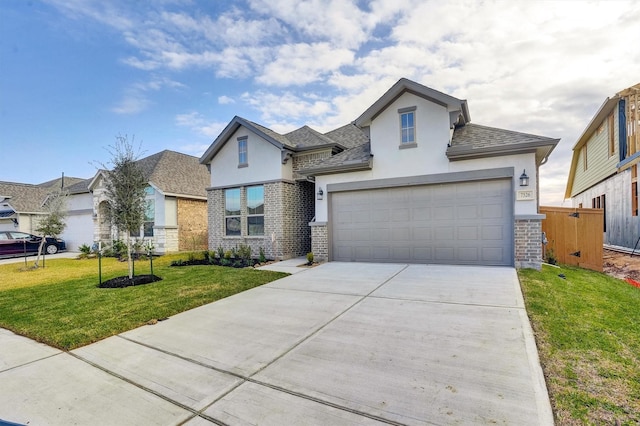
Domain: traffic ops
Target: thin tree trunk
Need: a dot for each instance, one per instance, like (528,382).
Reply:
(129,260)
(42,243)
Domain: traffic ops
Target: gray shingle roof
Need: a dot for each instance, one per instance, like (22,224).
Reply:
(348,135)
(306,137)
(57,183)
(474,141)
(176,173)
(275,135)
(25,198)
(356,158)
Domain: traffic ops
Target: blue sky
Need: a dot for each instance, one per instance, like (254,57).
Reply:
(74,74)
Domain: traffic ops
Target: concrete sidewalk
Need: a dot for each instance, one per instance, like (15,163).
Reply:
(340,343)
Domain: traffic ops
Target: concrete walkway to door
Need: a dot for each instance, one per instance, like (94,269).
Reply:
(341,343)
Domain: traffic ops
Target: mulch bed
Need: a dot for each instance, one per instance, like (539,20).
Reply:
(125,281)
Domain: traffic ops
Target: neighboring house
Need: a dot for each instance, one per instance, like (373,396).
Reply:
(176,217)
(604,167)
(410,180)
(22,204)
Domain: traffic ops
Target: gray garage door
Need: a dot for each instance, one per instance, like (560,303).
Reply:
(468,223)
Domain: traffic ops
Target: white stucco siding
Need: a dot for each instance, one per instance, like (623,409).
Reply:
(170,211)
(432,136)
(519,162)
(79,221)
(264,162)
(79,230)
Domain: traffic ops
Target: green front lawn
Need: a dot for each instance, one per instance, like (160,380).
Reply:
(62,306)
(587,329)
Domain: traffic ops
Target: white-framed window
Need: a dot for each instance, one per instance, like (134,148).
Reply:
(407,125)
(243,153)
(255,210)
(149,214)
(232,222)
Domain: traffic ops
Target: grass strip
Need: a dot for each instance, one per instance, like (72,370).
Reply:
(62,306)
(587,328)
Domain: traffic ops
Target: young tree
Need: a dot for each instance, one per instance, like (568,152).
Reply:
(125,192)
(53,223)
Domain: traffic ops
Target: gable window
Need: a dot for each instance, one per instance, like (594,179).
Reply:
(243,154)
(407,126)
(255,210)
(232,222)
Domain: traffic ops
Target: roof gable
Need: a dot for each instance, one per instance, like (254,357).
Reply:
(172,173)
(404,85)
(274,138)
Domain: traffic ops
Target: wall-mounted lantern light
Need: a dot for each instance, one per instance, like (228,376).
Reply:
(524,179)
(320,194)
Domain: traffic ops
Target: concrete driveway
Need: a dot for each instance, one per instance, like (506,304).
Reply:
(341,343)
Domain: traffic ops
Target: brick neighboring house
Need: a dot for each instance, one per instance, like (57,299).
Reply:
(176,216)
(604,167)
(410,180)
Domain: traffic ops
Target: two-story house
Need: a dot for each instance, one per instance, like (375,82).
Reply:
(604,167)
(410,180)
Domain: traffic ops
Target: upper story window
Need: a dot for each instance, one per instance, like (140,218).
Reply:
(255,210)
(407,126)
(232,223)
(243,154)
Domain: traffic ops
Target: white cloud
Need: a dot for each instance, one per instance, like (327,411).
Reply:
(136,98)
(300,64)
(198,124)
(226,100)
(131,104)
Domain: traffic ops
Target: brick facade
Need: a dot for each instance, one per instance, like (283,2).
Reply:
(192,224)
(320,241)
(288,208)
(528,243)
(307,160)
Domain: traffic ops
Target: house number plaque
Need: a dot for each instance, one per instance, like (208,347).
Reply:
(525,195)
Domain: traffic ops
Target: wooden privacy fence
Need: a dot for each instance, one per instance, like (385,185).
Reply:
(575,235)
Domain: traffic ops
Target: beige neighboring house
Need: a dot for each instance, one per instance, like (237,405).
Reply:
(22,204)
(176,216)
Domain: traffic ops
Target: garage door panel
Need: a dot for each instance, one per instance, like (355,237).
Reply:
(492,254)
(421,214)
(422,254)
(469,211)
(422,233)
(469,254)
(469,233)
(493,211)
(458,223)
(493,233)
(443,233)
(381,254)
(381,215)
(444,254)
